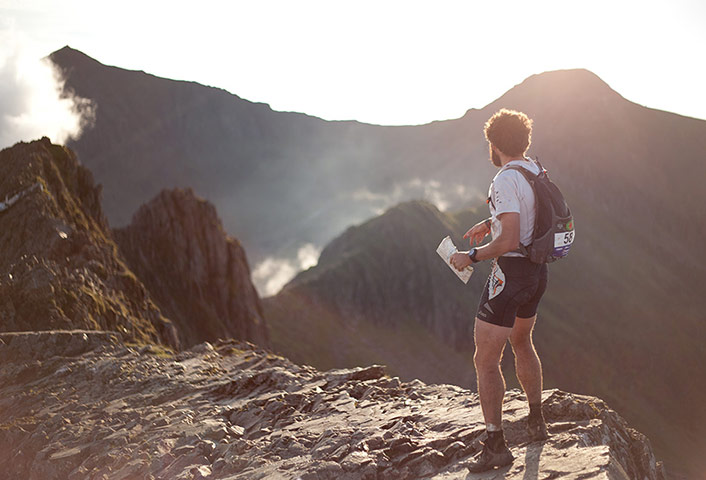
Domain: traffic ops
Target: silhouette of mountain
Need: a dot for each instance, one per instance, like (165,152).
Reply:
(623,315)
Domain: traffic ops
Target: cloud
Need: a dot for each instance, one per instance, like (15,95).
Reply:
(273,273)
(308,256)
(32,104)
(444,196)
(270,275)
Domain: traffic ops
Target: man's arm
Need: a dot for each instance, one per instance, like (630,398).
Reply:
(507,241)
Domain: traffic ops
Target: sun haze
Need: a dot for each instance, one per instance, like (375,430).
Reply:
(393,62)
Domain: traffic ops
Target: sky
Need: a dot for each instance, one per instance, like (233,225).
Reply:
(388,62)
(385,61)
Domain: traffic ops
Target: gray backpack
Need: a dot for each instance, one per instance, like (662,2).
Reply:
(553,223)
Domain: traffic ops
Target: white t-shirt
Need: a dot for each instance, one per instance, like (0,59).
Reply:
(510,192)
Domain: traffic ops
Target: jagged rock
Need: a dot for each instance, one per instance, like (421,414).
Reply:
(235,411)
(198,275)
(60,268)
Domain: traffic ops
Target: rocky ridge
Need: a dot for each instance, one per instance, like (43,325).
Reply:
(197,274)
(60,268)
(83,404)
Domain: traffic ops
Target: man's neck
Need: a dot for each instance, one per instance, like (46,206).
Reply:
(505,160)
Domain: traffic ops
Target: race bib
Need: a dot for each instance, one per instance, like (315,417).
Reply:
(562,243)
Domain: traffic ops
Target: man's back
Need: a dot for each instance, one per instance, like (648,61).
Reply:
(510,192)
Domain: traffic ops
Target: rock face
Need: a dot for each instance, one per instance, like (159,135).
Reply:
(77,405)
(198,275)
(59,267)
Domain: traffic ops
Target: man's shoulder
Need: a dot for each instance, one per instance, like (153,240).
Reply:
(512,172)
(528,165)
(508,175)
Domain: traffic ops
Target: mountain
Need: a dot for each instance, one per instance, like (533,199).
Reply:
(380,293)
(260,168)
(263,169)
(623,317)
(60,268)
(197,274)
(97,408)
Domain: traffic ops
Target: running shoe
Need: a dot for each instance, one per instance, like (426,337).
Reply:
(537,428)
(488,459)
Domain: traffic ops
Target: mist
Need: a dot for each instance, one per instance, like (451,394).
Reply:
(32,104)
(270,275)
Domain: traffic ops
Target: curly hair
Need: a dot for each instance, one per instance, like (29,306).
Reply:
(510,131)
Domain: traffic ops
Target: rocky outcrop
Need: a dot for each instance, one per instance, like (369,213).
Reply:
(77,405)
(198,275)
(59,267)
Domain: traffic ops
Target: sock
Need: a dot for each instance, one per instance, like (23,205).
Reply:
(491,427)
(496,439)
(535,410)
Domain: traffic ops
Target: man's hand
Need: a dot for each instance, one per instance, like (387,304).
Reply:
(460,260)
(478,232)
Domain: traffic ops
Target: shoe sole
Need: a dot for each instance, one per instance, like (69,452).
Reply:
(492,466)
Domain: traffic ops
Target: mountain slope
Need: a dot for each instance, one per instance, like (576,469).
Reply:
(60,268)
(380,293)
(198,275)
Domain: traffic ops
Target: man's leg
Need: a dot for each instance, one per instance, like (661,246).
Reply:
(527,364)
(490,342)
(529,372)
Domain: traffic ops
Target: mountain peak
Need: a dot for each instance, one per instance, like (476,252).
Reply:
(68,55)
(197,274)
(561,88)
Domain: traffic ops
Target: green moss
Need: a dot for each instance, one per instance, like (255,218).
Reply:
(19,423)
(160,351)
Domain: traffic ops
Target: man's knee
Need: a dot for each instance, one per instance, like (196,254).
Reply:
(490,342)
(522,346)
(486,359)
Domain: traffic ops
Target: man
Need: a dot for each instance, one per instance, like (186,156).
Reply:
(508,307)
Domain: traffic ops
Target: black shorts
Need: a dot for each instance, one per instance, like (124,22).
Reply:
(514,288)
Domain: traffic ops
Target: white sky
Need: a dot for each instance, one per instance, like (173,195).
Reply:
(384,61)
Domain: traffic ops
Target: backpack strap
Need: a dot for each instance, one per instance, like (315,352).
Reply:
(531,178)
